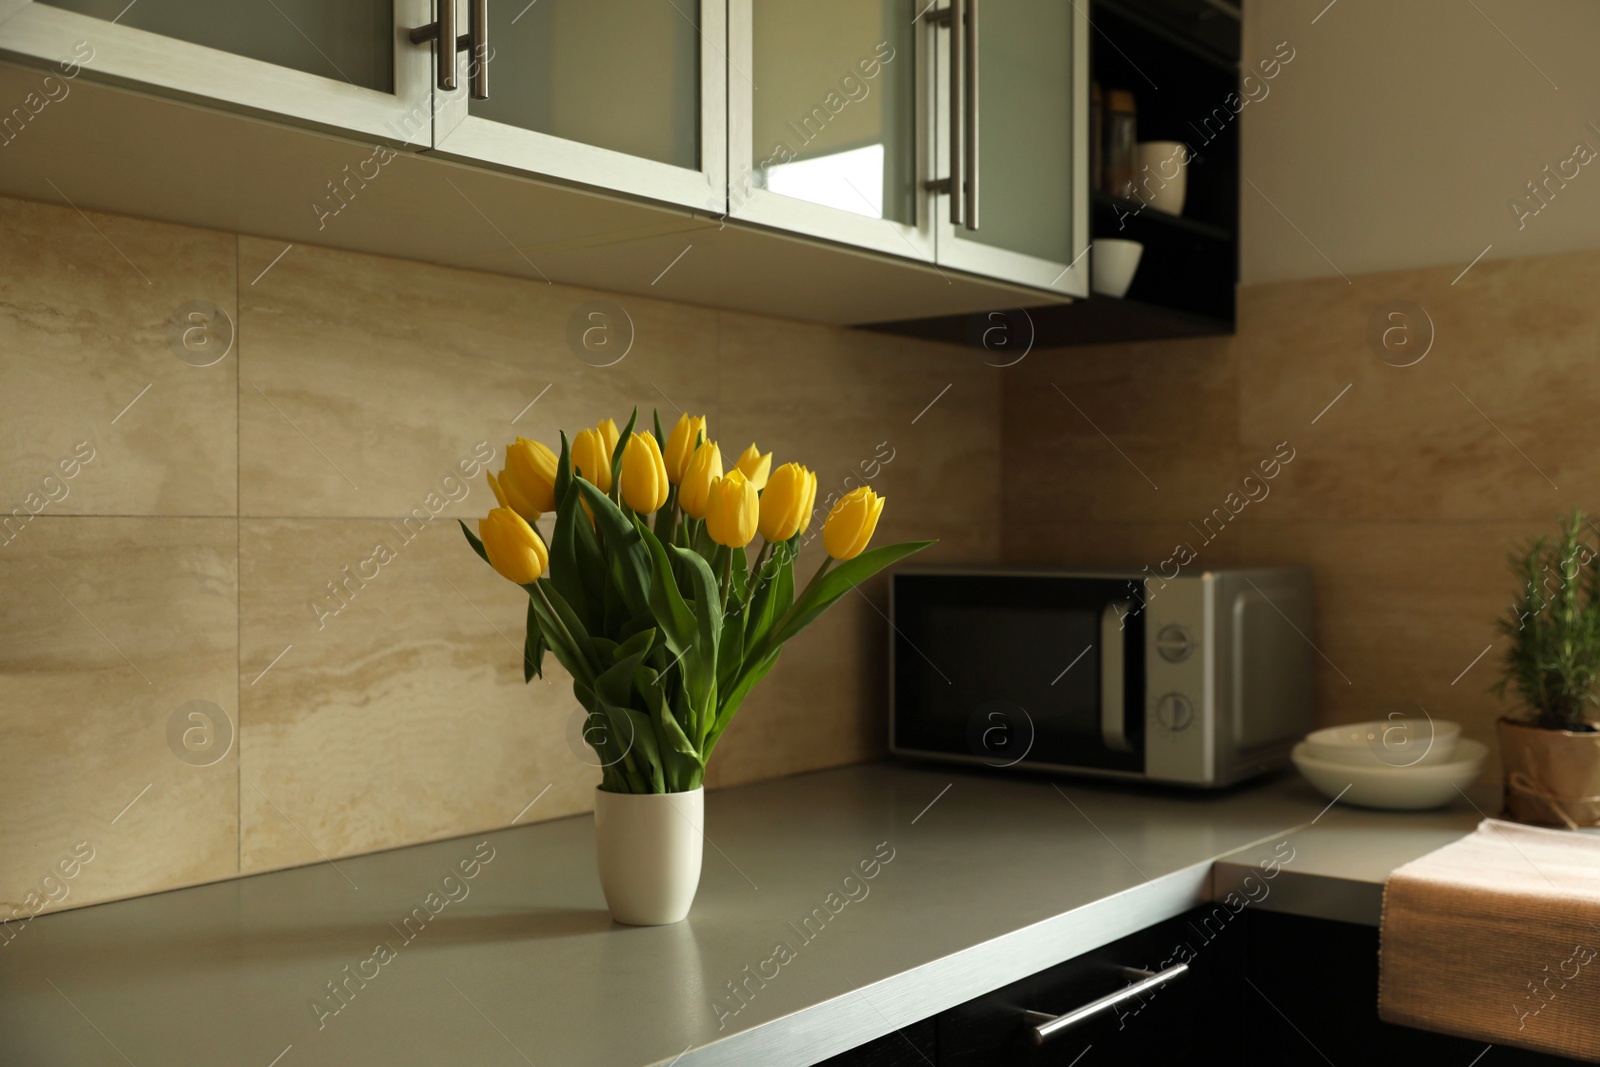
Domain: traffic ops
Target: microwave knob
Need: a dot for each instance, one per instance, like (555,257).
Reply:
(1174,712)
(1174,643)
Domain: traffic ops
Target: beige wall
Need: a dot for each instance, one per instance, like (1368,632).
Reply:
(1405,495)
(183,559)
(1400,132)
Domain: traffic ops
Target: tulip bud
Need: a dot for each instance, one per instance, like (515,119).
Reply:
(508,496)
(785,505)
(681,443)
(810,508)
(589,455)
(734,510)
(515,549)
(754,466)
(610,435)
(705,467)
(851,522)
(644,474)
(529,476)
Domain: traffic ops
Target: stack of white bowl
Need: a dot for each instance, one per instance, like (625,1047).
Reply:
(1401,764)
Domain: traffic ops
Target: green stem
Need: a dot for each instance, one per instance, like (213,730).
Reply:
(727,576)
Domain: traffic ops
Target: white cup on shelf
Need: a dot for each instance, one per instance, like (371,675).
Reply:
(1114,262)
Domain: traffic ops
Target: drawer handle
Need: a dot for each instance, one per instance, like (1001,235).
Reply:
(1046,1026)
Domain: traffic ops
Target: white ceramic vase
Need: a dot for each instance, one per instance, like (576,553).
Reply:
(648,846)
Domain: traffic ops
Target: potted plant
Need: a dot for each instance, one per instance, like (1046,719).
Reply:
(647,594)
(1551,756)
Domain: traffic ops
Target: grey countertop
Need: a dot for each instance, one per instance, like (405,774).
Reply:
(979,881)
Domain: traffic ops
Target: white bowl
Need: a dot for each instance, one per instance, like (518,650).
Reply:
(1114,262)
(1386,743)
(1415,788)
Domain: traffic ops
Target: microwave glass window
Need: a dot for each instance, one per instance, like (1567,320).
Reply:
(1031,664)
(1007,669)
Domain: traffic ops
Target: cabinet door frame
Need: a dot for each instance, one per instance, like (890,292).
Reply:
(38,33)
(1066,279)
(748,203)
(462,136)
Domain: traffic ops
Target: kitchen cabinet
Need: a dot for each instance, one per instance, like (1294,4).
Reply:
(956,133)
(1302,991)
(1179,60)
(611,94)
(337,64)
(623,95)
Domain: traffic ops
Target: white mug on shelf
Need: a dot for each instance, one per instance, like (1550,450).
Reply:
(1160,172)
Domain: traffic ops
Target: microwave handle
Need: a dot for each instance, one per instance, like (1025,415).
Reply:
(1113,692)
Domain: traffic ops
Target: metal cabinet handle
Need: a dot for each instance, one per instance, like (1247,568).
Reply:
(1113,694)
(475,42)
(971,167)
(949,17)
(1046,1026)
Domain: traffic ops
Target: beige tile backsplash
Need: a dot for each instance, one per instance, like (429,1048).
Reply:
(200,539)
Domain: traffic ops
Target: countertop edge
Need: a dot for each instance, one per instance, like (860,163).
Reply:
(865,1014)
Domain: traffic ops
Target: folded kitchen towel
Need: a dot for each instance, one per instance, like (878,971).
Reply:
(1496,937)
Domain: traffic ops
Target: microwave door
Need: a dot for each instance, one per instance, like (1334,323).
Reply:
(1020,670)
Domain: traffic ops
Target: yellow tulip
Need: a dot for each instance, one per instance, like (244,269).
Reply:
(529,476)
(644,474)
(810,508)
(610,435)
(515,548)
(509,496)
(734,510)
(589,455)
(851,522)
(681,443)
(785,505)
(705,467)
(755,465)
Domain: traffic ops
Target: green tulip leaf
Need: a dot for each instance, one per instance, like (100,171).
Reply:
(567,568)
(671,613)
(823,592)
(630,559)
(563,468)
(532,648)
(616,453)
(476,543)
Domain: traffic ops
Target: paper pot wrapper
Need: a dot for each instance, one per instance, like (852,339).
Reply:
(1552,777)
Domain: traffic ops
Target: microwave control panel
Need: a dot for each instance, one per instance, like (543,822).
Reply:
(1179,683)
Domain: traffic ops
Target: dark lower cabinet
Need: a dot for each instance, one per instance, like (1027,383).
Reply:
(1258,988)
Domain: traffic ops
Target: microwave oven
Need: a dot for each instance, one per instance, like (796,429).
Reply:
(1200,680)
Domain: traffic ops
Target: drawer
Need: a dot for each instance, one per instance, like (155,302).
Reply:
(1172,1022)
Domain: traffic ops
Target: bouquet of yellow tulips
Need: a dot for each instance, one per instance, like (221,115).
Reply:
(646,591)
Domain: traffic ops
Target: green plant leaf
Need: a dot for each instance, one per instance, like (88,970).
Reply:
(630,559)
(823,592)
(532,648)
(475,542)
(671,613)
(567,567)
(616,453)
(563,468)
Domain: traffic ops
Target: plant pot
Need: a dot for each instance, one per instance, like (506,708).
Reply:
(1552,777)
(648,847)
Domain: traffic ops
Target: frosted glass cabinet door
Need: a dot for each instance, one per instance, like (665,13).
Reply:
(827,106)
(343,64)
(625,95)
(1023,139)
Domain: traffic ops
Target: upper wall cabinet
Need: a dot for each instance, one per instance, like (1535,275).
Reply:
(623,95)
(627,95)
(957,133)
(341,64)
